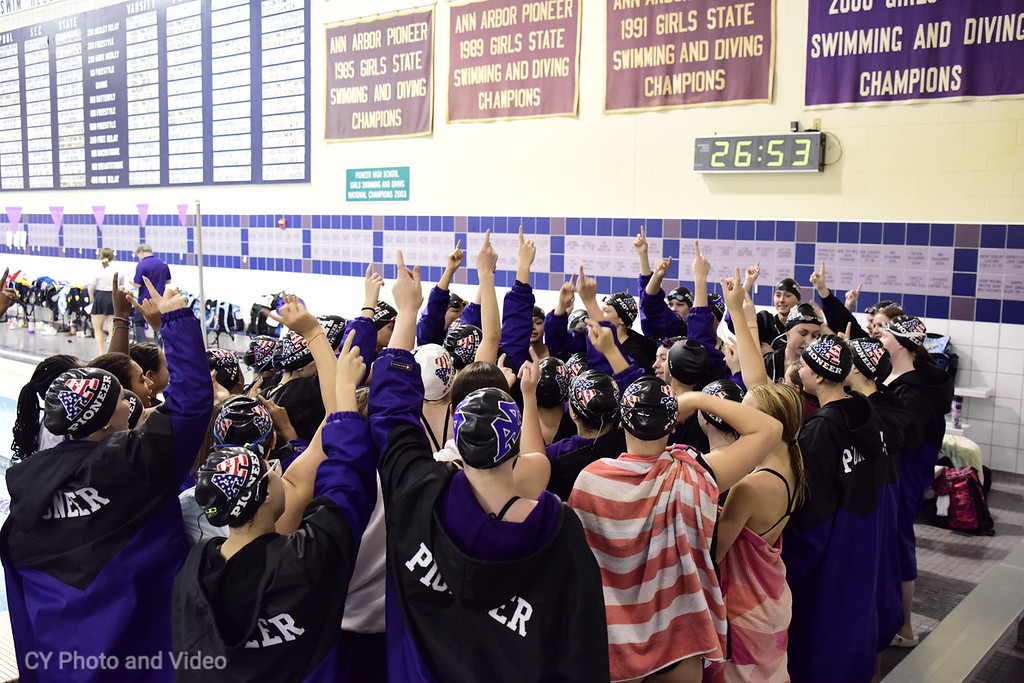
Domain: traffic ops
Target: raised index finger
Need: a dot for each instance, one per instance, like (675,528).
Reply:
(7,273)
(696,247)
(149,285)
(348,341)
(521,239)
(401,260)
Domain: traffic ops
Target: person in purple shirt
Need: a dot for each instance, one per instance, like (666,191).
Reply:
(154,268)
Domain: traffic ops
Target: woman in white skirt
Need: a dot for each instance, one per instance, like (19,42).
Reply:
(100,294)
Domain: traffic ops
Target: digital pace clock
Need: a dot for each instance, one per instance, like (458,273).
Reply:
(760,153)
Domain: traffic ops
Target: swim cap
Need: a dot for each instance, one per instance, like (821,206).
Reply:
(231,486)
(648,409)
(461,343)
(687,361)
(437,370)
(487,426)
(81,401)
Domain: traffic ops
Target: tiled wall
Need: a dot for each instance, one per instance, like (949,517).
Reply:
(992,356)
(986,331)
(964,272)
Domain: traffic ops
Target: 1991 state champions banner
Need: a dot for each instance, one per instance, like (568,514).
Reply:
(862,51)
(662,54)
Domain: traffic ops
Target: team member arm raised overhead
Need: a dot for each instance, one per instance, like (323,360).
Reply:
(701,321)
(490,318)
(751,363)
(837,315)
(517,313)
(560,339)
(433,322)
(599,315)
(657,321)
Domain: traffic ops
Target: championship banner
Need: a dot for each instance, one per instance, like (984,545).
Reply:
(912,50)
(514,59)
(663,55)
(379,77)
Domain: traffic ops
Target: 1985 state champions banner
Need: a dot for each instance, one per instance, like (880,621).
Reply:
(861,51)
(379,77)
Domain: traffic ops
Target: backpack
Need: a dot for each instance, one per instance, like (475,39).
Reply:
(941,351)
(968,510)
(260,324)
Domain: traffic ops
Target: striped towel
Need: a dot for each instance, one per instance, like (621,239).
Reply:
(760,605)
(649,521)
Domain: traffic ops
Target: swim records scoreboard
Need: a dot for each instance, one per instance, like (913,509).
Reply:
(157,92)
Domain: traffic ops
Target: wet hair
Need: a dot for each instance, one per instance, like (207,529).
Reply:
(477,375)
(783,402)
(26,421)
(147,355)
(793,374)
(106,256)
(117,364)
(363,401)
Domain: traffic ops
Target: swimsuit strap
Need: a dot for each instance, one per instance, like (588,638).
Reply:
(430,432)
(509,504)
(789,499)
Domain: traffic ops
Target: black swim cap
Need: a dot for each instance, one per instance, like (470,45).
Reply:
(648,409)
(231,485)
(687,361)
(487,425)
(553,387)
(461,343)
(80,402)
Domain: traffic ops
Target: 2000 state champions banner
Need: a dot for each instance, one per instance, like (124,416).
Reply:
(911,50)
(670,53)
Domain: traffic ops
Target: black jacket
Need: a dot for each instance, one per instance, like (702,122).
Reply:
(642,350)
(927,392)
(282,596)
(571,456)
(461,612)
(770,329)
(95,537)
(836,543)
